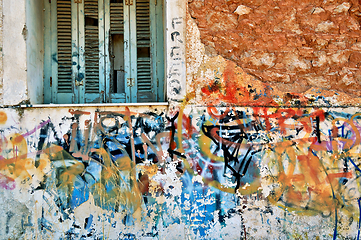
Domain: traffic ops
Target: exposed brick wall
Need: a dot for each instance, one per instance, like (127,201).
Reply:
(294,45)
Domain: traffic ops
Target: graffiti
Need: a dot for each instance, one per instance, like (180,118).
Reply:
(3,117)
(200,167)
(176,57)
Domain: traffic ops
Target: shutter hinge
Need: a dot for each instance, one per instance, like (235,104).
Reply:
(128,2)
(130,82)
(77,1)
(79,83)
(51,81)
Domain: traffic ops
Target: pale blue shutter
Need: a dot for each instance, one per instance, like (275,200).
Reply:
(80,56)
(63,81)
(92,91)
(145,91)
(64,46)
(150,50)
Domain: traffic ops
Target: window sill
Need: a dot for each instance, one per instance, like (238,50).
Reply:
(50,105)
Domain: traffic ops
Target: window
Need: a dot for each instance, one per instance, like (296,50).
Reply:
(100,51)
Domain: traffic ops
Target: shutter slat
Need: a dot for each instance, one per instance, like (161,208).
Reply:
(143,23)
(144,74)
(116,18)
(64,46)
(91,48)
(144,79)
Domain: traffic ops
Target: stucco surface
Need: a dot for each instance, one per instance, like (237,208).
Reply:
(14,53)
(189,172)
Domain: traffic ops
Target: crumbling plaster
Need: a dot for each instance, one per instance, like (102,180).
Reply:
(310,48)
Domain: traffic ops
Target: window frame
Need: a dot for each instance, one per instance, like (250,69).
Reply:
(78,92)
(24,78)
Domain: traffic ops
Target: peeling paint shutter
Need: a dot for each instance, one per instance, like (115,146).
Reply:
(144,69)
(143,23)
(91,46)
(64,46)
(116,18)
(103,51)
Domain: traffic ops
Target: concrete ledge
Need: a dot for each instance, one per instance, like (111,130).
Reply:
(95,105)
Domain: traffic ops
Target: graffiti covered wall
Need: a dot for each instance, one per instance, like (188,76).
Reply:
(183,172)
(262,141)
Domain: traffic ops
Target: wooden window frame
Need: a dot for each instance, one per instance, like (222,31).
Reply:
(78,91)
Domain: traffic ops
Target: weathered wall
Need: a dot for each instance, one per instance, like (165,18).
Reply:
(14,52)
(260,147)
(175,23)
(292,45)
(185,173)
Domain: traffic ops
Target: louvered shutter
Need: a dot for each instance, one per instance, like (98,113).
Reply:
(103,50)
(58,85)
(91,53)
(145,89)
(64,80)
(116,18)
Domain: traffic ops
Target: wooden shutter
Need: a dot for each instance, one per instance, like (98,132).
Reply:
(116,18)
(91,46)
(88,41)
(116,48)
(64,46)
(144,70)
